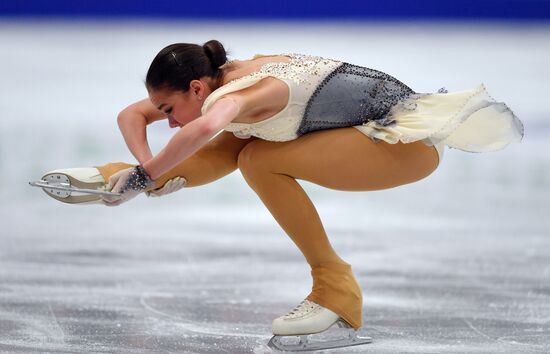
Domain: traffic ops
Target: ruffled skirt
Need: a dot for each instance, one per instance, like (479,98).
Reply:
(468,120)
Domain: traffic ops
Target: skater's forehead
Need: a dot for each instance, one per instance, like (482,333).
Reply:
(163,98)
(158,97)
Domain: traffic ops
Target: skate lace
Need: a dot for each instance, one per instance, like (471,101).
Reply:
(303,308)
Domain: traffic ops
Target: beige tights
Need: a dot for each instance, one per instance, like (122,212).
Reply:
(341,159)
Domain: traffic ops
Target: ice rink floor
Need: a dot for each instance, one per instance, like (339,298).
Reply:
(455,263)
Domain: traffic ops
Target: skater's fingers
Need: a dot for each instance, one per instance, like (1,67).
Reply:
(160,192)
(113,179)
(114,202)
(119,179)
(178,183)
(167,188)
(171,186)
(122,186)
(114,183)
(110,199)
(117,188)
(153,194)
(106,202)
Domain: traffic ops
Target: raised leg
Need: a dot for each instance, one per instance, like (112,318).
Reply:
(213,161)
(216,159)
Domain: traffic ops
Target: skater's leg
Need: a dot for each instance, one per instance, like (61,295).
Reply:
(213,161)
(111,168)
(342,159)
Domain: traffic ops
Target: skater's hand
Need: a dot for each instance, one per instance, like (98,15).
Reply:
(129,183)
(173,185)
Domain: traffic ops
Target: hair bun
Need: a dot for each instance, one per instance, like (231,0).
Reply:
(215,51)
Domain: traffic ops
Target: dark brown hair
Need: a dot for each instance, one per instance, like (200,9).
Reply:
(176,65)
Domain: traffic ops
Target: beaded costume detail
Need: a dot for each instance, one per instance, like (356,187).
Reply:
(297,69)
(352,95)
(138,180)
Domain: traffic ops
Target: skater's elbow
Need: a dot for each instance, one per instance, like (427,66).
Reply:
(120,118)
(142,112)
(130,117)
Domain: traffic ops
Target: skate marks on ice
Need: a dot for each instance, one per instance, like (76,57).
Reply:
(203,306)
(448,337)
(164,306)
(432,318)
(156,325)
(39,326)
(253,336)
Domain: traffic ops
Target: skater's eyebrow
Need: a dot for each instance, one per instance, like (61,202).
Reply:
(162,105)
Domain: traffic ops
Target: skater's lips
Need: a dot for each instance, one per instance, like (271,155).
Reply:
(172,123)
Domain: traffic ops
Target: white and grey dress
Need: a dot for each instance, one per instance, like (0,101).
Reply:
(326,94)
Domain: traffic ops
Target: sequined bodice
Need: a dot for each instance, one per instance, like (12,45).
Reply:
(323,93)
(353,95)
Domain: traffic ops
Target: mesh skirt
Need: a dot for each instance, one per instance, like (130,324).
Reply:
(468,120)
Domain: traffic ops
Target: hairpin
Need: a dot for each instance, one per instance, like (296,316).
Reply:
(175,59)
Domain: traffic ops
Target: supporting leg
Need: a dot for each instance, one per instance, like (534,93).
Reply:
(342,159)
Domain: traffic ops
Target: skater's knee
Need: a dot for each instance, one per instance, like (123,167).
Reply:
(425,163)
(250,157)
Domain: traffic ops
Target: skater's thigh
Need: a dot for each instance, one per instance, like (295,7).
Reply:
(214,160)
(225,144)
(343,159)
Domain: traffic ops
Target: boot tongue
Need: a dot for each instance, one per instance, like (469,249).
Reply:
(301,308)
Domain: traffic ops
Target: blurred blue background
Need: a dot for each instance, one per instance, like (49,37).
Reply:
(457,262)
(361,9)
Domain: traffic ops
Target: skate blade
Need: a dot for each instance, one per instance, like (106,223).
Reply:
(307,342)
(59,186)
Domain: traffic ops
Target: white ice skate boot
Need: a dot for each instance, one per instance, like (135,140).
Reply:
(81,185)
(310,318)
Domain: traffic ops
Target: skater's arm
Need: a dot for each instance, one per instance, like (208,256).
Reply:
(268,94)
(192,137)
(213,161)
(133,121)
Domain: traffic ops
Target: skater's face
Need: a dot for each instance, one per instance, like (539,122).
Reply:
(180,107)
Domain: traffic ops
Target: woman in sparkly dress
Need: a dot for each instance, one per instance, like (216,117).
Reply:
(283,118)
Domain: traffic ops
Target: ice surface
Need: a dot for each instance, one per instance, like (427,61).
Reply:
(455,263)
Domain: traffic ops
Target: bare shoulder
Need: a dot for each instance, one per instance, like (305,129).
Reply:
(260,100)
(240,68)
(265,97)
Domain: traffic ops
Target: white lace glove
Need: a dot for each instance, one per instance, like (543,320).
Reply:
(129,183)
(173,185)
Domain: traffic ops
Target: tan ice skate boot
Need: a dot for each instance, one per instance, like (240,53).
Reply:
(334,285)
(86,178)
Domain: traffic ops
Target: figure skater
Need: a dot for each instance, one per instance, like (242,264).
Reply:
(288,117)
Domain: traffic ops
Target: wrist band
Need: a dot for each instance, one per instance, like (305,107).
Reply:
(138,180)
